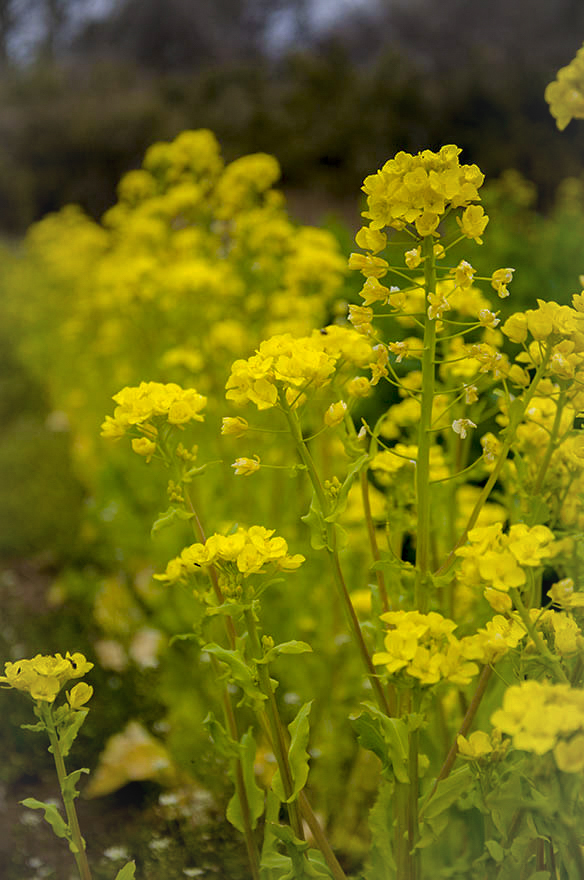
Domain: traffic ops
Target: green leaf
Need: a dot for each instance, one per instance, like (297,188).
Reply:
(449,790)
(128,872)
(35,727)
(69,790)
(386,737)
(168,518)
(315,520)
(292,647)
(52,816)
(255,795)
(495,850)
(381,864)
(343,494)
(240,672)
(70,729)
(273,865)
(298,757)
(226,746)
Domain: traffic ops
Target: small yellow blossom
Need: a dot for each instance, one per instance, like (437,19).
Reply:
(44,676)
(500,279)
(461,426)
(478,745)
(413,258)
(335,414)
(144,446)
(246,466)
(473,222)
(235,427)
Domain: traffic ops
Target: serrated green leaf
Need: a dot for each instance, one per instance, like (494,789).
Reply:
(298,757)
(52,816)
(128,872)
(255,795)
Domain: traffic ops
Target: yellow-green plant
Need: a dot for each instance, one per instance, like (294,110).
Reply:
(43,678)
(424,459)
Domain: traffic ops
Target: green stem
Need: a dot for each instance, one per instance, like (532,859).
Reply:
(423,563)
(228,713)
(332,549)
(73,822)
(275,725)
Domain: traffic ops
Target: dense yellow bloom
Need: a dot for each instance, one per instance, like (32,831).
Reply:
(44,676)
(247,551)
(423,646)
(541,717)
(498,560)
(140,407)
(418,190)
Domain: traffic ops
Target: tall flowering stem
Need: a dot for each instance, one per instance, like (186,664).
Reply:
(77,844)
(308,462)
(423,537)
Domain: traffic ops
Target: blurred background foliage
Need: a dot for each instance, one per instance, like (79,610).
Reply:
(331,89)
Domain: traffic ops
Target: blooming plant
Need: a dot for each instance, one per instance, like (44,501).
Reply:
(414,528)
(43,678)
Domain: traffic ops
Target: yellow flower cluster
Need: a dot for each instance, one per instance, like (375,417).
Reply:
(44,676)
(542,717)
(418,190)
(423,646)
(499,560)
(565,94)
(247,551)
(285,364)
(143,406)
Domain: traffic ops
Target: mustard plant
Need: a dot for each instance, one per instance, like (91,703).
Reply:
(42,678)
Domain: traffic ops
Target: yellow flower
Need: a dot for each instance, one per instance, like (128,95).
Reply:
(236,427)
(413,258)
(79,695)
(473,222)
(478,745)
(246,466)
(500,279)
(144,446)
(43,676)
(371,239)
(335,414)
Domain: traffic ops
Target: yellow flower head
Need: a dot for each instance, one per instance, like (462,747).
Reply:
(44,676)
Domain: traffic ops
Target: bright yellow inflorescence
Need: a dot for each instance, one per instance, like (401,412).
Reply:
(246,552)
(542,717)
(44,676)
(145,407)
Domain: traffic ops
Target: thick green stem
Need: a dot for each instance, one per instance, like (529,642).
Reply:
(423,537)
(333,552)
(73,822)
